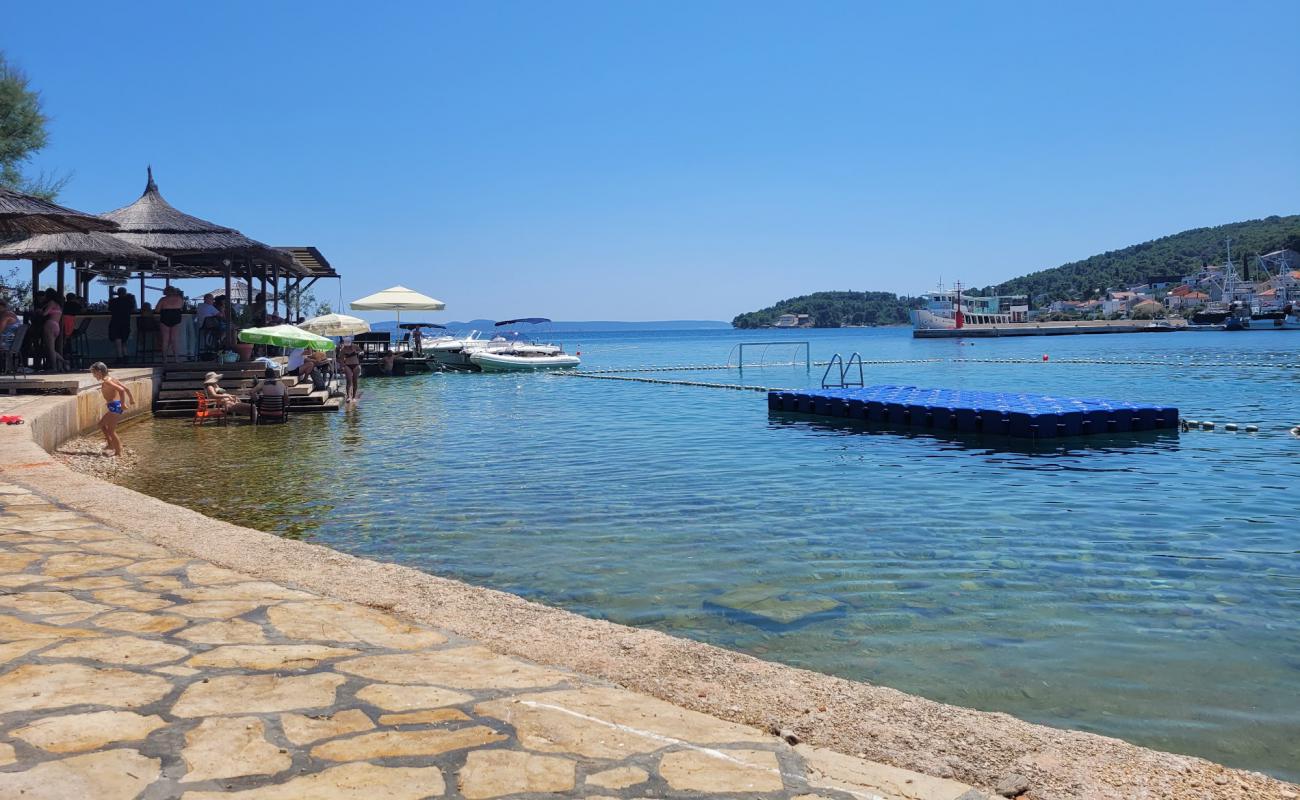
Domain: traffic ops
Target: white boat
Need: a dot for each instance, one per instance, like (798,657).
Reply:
(950,309)
(455,353)
(517,355)
(512,361)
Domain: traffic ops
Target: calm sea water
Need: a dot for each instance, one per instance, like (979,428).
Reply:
(1146,588)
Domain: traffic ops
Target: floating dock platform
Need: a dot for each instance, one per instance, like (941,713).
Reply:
(1018,415)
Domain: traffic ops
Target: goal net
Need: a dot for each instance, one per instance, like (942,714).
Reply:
(759,355)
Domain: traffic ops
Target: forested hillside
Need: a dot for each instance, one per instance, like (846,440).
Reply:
(1179,254)
(833,310)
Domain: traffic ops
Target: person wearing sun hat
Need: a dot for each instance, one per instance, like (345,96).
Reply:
(216,394)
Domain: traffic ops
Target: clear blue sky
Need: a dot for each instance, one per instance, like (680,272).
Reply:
(656,160)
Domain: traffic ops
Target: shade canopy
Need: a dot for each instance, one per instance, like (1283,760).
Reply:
(240,293)
(102,248)
(398,298)
(285,336)
(410,326)
(24,214)
(189,242)
(335,325)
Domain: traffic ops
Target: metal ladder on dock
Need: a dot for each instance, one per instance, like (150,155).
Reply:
(844,367)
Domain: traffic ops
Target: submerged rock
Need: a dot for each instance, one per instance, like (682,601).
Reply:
(774,605)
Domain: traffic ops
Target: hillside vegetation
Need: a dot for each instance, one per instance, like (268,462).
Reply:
(1179,254)
(833,309)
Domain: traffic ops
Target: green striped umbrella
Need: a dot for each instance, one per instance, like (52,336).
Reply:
(285,336)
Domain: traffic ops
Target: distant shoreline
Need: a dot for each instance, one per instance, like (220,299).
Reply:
(589,326)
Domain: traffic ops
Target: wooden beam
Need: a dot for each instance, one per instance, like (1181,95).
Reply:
(58,284)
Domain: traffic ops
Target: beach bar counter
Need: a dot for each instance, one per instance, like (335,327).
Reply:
(96,346)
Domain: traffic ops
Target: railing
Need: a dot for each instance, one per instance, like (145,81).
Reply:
(844,367)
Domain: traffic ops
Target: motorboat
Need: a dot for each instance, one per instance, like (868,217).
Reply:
(454,353)
(514,361)
(517,355)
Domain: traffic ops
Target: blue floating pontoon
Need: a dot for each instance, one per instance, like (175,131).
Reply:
(1024,416)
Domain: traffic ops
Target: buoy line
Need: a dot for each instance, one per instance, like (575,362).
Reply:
(708,367)
(1124,362)
(665,382)
(1207,425)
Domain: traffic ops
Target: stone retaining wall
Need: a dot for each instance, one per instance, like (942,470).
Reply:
(54,419)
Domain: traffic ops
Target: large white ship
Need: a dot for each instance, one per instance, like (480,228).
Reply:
(949,309)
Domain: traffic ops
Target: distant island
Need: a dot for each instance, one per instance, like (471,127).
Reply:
(831,310)
(1092,278)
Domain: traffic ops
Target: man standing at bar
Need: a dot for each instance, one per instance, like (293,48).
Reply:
(121,307)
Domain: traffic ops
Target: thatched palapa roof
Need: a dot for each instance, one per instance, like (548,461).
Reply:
(24,214)
(153,223)
(101,248)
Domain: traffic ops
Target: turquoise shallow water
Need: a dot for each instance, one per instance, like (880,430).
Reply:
(1146,588)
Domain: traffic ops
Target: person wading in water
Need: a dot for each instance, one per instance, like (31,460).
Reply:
(114,391)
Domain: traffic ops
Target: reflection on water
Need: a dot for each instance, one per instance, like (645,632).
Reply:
(1145,588)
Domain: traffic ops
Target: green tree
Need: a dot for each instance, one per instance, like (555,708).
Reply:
(22,133)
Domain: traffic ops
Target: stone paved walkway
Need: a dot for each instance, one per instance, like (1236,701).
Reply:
(128,672)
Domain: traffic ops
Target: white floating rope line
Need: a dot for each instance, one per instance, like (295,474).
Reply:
(1207,425)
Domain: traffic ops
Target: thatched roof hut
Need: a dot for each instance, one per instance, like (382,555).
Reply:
(153,223)
(100,248)
(24,214)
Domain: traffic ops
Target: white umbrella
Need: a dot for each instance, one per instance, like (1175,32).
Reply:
(399,299)
(335,325)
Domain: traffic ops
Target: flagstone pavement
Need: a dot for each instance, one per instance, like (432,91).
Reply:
(128,672)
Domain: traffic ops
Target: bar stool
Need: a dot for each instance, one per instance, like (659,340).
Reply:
(78,345)
(147,337)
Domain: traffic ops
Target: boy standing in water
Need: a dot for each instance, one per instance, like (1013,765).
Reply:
(113,390)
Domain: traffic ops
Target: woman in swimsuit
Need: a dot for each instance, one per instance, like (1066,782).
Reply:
(169,317)
(350,361)
(113,391)
(53,326)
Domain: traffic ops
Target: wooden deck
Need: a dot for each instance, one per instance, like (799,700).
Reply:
(180,382)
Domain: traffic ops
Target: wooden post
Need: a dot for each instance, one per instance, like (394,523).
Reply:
(59,280)
(275,290)
(141,288)
(226,309)
(37,266)
(262,306)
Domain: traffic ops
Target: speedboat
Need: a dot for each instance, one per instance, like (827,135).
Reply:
(454,353)
(521,355)
(510,361)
